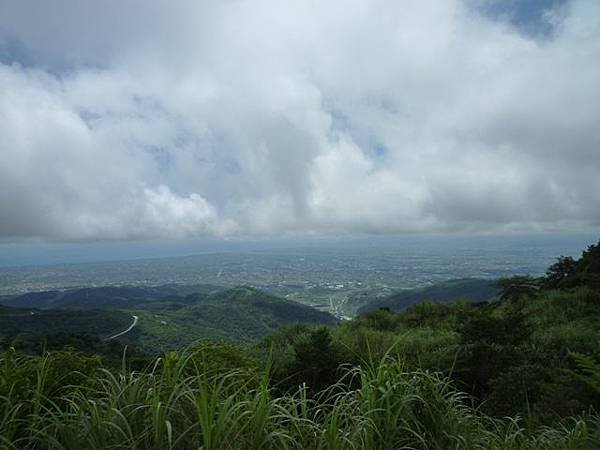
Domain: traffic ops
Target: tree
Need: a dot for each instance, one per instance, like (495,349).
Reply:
(518,287)
(558,273)
(317,359)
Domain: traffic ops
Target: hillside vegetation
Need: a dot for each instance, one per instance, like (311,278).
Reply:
(23,324)
(168,319)
(240,314)
(467,289)
(105,297)
(520,372)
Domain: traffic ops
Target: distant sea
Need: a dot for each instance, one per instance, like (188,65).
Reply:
(381,263)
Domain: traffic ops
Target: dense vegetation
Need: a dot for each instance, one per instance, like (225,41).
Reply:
(17,323)
(169,317)
(104,297)
(240,314)
(519,372)
(214,397)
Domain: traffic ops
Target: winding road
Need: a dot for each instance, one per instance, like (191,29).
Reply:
(135,321)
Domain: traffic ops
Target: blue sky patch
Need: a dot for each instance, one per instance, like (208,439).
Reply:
(531,17)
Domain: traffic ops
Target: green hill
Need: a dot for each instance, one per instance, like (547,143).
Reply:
(498,375)
(468,289)
(105,297)
(240,314)
(167,320)
(31,323)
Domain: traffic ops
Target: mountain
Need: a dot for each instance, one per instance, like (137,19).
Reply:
(240,314)
(106,297)
(17,323)
(469,289)
(169,317)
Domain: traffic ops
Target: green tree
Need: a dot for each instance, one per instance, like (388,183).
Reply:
(563,269)
(317,359)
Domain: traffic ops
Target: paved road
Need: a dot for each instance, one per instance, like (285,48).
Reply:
(135,321)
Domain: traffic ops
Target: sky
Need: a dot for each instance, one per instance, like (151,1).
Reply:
(126,120)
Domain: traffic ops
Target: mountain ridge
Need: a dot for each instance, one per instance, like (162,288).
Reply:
(468,289)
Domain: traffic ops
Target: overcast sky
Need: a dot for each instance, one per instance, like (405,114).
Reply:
(123,120)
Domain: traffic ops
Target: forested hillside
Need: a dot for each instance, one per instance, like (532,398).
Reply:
(168,318)
(23,324)
(467,289)
(106,297)
(241,314)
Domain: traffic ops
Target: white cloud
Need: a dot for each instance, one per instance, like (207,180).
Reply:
(265,117)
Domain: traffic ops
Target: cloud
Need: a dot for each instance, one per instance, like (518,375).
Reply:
(275,118)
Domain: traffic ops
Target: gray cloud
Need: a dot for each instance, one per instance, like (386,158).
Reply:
(130,120)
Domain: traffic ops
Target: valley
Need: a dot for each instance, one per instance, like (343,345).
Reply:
(337,277)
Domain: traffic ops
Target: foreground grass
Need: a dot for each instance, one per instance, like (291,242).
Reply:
(210,398)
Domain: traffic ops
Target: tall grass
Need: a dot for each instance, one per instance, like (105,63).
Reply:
(188,401)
